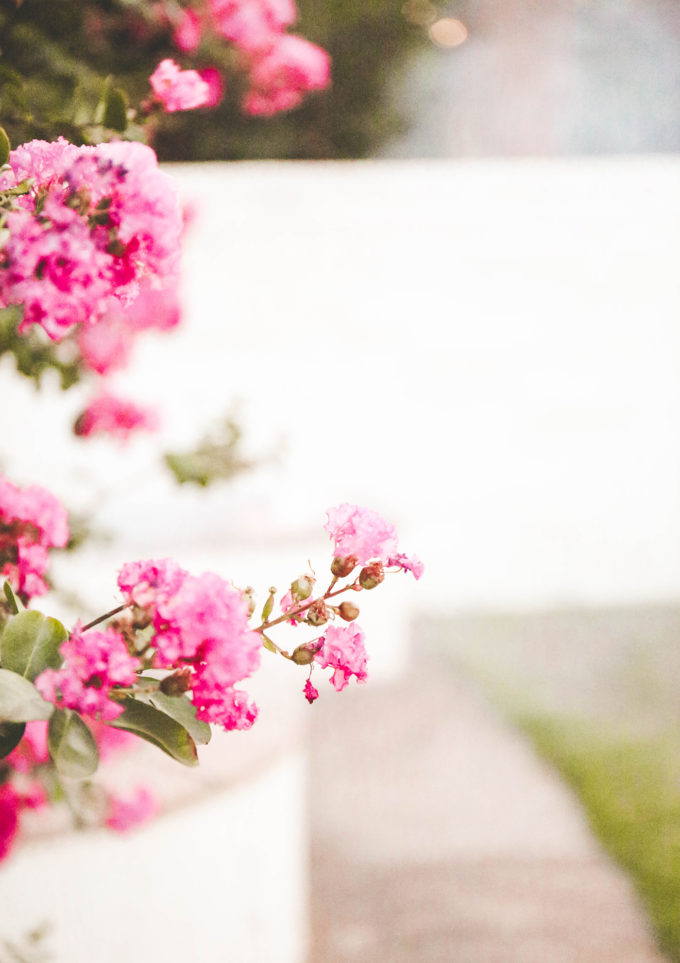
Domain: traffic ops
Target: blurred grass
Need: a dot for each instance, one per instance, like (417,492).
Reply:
(598,693)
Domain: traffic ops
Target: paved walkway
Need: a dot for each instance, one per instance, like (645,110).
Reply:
(439,836)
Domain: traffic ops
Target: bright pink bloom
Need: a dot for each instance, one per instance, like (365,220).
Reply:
(33,796)
(215,82)
(9,818)
(128,812)
(253,25)
(311,694)
(360,532)
(188,31)
(31,522)
(107,414)
(110,741)
(281,76)
(342,649)
(178,89)
(95,662)
(96,223)
(407,564)
(202,622)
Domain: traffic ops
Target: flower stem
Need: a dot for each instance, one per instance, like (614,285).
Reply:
(104,617)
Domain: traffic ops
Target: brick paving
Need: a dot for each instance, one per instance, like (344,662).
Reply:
(439,836)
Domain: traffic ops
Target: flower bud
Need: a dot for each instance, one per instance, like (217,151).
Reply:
(317,614)
(342,566)
(348,611)
(302,587)
(269,604)
(304,654)
(177,683)
(371,575)
(248,594)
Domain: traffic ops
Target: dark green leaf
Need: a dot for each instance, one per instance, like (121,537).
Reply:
(159,729)
(20,701)
(15,603)
(5,146)
(115,111)
(11,734)
(30,644)
(181,710)
(71,745)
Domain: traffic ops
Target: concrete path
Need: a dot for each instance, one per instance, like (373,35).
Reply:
(439,836)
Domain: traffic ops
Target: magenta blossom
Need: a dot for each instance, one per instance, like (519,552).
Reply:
(107,414)
(128,812)
(95,662)
(178,89)
(407,564)
(342,649)
(360,532)
(283,74)
(31,521)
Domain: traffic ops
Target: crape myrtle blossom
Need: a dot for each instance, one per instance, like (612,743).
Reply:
(95,662)
(110,415)
(94,225)
(128,812)
(252,25)
(283,74)
(178,89)
(31,521)
(199,622)
(361,533)
(342,649)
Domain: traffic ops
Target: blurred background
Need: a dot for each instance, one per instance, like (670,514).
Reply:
(473,330)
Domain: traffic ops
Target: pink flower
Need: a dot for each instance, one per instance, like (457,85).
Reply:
(342,648)
(407,564)
(360,532)
(202,622)
(215,82)
(253,25)
(96,223)
(95,662)
(9,818)
(107,414)
(281,75)
(311,694)
(126,813)
(31,522)
(178,89)
(187,35)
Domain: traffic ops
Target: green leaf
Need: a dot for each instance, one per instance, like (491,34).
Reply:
(15,603)
(115,110)
(268,644)
(5,146)
(71,745)
(20,701)
(30,644)
(157,728)
(11,734)
(181,710)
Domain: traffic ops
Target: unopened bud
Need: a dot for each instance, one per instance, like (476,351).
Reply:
(177,683)
(371,575)
(304,654)
(269,604)
(317,614)
(342,566)
(302,587)
(248,594)
(348,611)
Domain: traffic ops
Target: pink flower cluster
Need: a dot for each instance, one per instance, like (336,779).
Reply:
(281,67)
(107,414)
(365,535)
(178,89)
(342,649)
(95,662)
(31,522)
(96,224)
(201,623)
